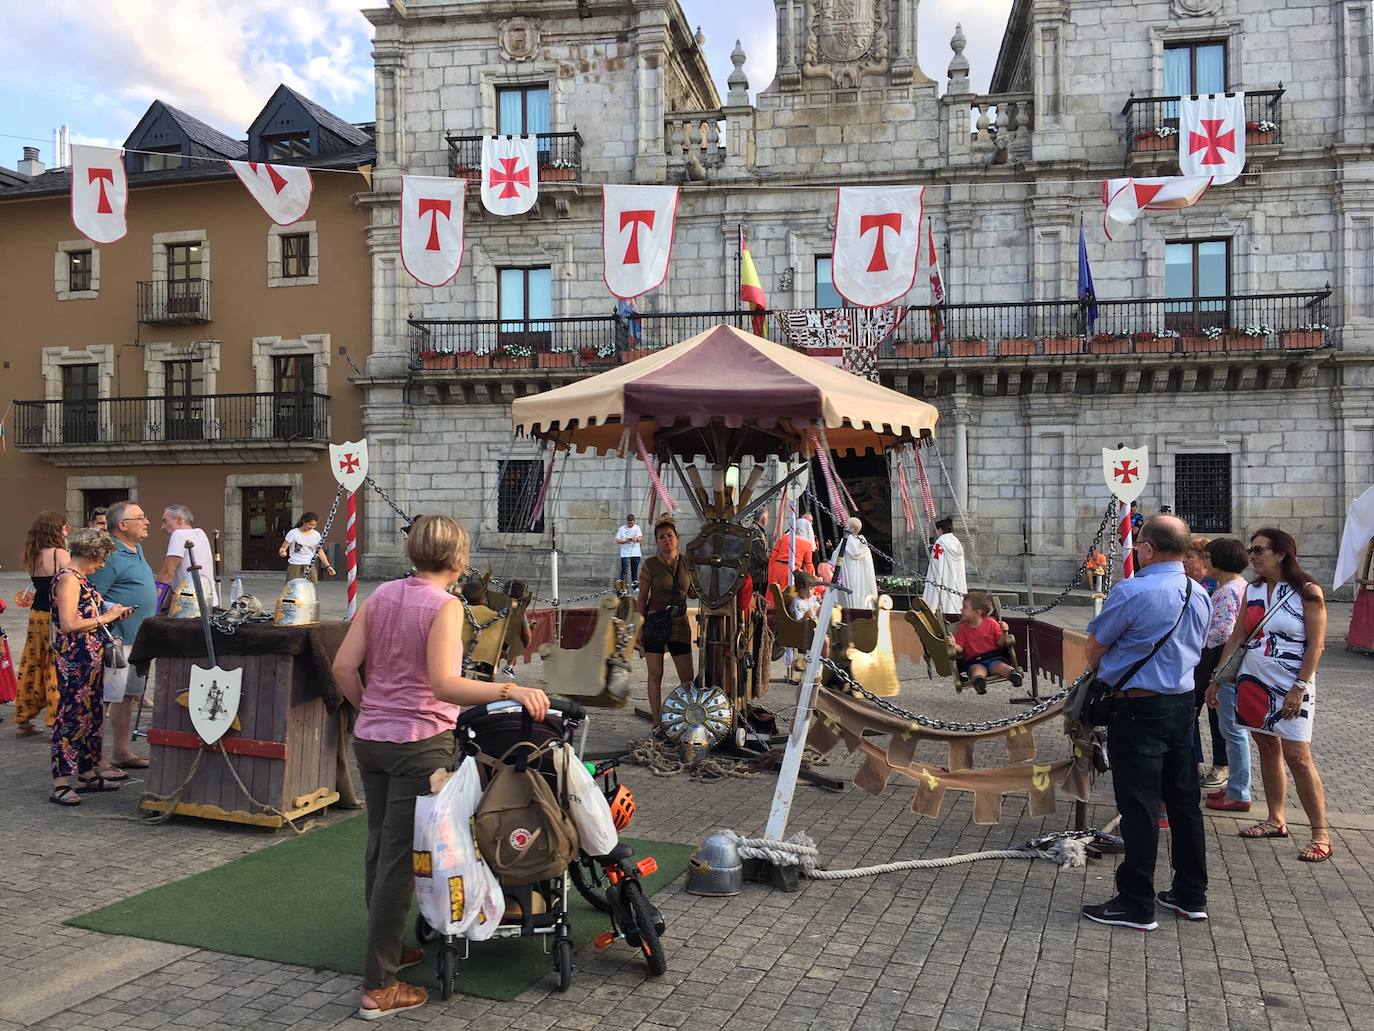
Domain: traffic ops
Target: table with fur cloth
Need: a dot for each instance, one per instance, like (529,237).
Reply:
(286,753)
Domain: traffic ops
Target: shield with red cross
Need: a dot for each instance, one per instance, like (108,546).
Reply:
(1127,470)
(510,174)
(349,463)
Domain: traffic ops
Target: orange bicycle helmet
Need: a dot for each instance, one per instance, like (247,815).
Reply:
(622,807)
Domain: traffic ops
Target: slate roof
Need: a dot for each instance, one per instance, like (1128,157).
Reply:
(9,177)
(205,135)
(346,131)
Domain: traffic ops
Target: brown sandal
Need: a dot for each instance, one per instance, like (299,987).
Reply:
(394,998)
(1265,829)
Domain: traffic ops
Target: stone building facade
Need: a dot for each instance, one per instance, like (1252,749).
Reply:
(1233,338)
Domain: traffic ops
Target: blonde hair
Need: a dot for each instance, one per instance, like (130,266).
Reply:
(438,543)
(1199,544)
(92,544)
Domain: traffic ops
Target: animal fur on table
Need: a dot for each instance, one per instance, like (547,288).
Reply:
(840,717)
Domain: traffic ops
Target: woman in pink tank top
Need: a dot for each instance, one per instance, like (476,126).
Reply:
(409,637)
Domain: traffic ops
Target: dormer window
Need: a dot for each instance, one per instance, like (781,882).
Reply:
(162,157)
(289,146)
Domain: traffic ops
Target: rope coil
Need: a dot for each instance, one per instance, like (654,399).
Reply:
(1065,849)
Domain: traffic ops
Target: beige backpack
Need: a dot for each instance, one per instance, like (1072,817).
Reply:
(521,830)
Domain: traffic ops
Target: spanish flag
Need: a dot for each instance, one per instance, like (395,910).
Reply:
(750,289)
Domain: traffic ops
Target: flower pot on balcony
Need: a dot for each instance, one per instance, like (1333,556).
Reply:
(968,348)
(1244,342)
(1255,138)
(590,356)
(1016,345)
(1150,140)
(1302,339)
(549,174)
(1063,345)
(915,349)
(555,359)
(1109,345)
(631,354)
(1154,345)
(1214,345)
(437,360)
(503,361)
(472,360)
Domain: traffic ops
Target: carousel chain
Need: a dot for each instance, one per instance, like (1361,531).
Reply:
(958,508)
(1078,577)
(328,525)
(933,723)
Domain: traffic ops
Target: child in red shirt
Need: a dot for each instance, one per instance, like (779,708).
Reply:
(980,644)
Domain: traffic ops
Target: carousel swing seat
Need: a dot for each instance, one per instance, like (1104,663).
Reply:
(932,632)
(488,643)
(596,674)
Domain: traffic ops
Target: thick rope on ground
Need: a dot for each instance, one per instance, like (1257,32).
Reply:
(1064,850)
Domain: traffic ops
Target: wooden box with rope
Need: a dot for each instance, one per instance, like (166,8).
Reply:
(281,758)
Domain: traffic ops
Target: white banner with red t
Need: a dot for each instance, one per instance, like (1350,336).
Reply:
(637,237)
(432,211)
(877,243)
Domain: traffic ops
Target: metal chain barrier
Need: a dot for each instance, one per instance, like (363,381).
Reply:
(406,521)
(328,525)
(931,722)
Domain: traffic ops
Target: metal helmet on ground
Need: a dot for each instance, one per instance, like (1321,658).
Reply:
(696,718)
(184,604)
(298,605)
(716,867)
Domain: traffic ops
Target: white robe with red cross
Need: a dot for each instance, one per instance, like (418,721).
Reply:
(946,581)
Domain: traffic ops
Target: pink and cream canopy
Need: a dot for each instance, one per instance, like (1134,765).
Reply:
(724,394)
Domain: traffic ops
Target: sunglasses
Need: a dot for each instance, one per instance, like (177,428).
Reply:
(1258,549)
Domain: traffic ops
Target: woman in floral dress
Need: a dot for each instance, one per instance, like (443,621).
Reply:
(45,552)
(82,633)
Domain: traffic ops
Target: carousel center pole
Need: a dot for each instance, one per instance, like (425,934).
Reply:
(801,724)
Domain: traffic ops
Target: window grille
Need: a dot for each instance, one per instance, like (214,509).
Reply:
(1202,491)
(295,255)
(516,496)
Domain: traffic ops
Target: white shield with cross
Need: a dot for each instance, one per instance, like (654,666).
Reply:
(1127,470)
(349,463)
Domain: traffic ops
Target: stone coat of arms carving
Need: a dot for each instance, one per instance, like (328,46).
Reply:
(519,38)
(845,40)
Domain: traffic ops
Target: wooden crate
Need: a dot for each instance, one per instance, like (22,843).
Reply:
(285,752)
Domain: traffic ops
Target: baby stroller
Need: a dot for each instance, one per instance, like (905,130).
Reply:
(498,729)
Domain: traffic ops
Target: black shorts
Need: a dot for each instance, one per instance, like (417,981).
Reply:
(672,648)
(985,660)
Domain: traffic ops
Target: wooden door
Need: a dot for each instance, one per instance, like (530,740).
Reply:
(266,518)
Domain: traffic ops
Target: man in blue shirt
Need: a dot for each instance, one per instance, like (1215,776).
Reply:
(1150,734)
(126,579)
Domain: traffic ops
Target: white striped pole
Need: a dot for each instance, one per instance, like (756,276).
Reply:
(351,554)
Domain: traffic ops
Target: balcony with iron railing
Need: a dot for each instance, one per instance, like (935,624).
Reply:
(174,301)
(913,336)
(1152,125)
(560,157)
(189,429)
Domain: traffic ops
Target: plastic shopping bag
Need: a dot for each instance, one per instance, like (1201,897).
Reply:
(457,893)
(590,811)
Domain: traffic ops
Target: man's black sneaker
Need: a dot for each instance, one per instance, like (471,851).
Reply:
(1016,679)
(1167,900)
(1116,914)
(980,685)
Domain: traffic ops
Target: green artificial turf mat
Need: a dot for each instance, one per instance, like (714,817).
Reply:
(301,902)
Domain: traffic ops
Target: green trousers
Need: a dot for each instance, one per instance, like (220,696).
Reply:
(394,775)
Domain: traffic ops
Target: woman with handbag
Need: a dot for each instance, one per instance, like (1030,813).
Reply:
(1279,640)
(83,631)
(664,586)
(45,552)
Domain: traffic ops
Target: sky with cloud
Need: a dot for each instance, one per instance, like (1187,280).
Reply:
(97,66)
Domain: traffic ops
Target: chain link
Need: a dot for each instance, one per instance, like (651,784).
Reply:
(228,624)
(1080,576)
(932,723)
(406,521)
(328,525)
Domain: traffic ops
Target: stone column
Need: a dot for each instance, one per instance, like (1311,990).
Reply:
(961,413)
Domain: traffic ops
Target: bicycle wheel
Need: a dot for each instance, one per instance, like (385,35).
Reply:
(649,942)
(589,885)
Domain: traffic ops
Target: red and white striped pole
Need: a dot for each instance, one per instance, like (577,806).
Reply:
(1127,542)
(351,553)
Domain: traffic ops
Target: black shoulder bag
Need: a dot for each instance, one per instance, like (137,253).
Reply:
(1097,707)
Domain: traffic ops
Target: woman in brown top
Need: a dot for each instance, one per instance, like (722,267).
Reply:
(664,584)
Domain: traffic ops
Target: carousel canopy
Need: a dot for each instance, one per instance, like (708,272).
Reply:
(725,390)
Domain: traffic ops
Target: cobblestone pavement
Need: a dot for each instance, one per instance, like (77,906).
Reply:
(984,945)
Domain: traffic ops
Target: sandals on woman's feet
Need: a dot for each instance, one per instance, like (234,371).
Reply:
(1315,852)
(394,998)
(64,795)
(1265,829)
(97,784)
(26,730)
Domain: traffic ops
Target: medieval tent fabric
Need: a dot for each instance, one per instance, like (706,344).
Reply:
(1211,136)
(510,174)
(100,193)
(432,213)
(729,379)
(946,581)
(283,191)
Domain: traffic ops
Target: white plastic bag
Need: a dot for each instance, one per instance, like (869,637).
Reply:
(457,892)
(587,805)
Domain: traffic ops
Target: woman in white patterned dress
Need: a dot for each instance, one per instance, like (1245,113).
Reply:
(1276,692)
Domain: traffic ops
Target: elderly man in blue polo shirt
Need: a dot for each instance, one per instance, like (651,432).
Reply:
(126,579)
(1150,734)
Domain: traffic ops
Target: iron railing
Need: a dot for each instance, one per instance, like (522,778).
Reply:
(560,156)
(174,300)
(1205,325)
(208,418)
(1152,122)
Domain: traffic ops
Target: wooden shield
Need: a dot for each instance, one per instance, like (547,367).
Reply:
(719,557)
(213,700)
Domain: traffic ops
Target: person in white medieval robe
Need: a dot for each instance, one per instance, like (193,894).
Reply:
(856,570)
(946,580)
